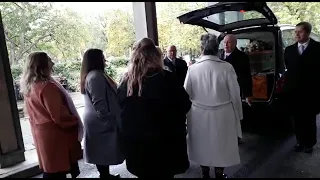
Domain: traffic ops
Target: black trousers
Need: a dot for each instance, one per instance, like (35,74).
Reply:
(59,175)
(103,171)
(74,171)
(305,128)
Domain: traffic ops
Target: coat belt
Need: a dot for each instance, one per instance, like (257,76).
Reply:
(211,107)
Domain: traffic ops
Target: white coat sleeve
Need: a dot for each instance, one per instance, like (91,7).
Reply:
(187,84)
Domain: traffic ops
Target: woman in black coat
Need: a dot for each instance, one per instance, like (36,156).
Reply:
(153,116)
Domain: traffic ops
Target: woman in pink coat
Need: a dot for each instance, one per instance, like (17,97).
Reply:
(54,122)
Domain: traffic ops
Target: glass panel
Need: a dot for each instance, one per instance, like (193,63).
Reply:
(288,37)
(315,37)
(233,16)
(242,44)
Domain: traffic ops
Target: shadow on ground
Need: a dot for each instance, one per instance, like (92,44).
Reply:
(257,146)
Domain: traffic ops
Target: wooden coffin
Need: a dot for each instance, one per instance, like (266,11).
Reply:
(260,87)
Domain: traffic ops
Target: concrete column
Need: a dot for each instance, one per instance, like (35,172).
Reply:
(11,142)
(145,20)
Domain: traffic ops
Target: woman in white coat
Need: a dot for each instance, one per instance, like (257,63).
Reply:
(214,118)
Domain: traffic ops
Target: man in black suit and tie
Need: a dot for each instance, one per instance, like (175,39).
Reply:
(302,86)
(241,64)
(177,66)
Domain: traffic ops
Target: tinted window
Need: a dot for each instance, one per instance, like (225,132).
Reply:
(315,37)
(241,44)
(288,37)
(229,17)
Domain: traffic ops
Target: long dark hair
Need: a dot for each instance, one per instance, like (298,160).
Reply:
(93,59)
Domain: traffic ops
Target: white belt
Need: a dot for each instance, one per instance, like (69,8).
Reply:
(211,107)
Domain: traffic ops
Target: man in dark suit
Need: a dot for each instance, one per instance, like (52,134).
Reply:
(301,86)
(178,66)
(241,64)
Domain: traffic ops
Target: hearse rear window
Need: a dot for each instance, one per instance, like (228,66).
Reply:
(235,17)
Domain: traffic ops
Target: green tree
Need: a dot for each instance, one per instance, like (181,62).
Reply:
(97,29)
(70,35)
(26,26)
(31,26)
(295,12)
(120,32)
(171,32)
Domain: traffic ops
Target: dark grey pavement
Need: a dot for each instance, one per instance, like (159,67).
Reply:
(262,155)
(288,164)
(254,151)
(299,165)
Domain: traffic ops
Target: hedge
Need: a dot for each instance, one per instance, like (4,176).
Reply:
(71,70)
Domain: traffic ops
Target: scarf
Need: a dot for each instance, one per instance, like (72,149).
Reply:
(112,83)
(72,108)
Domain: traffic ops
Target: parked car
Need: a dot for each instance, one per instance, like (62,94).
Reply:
(263,40)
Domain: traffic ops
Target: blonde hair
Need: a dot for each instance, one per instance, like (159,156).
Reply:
(34,70)
(145,56)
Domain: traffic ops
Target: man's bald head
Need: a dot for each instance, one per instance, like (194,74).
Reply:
(230,43)
(172,52)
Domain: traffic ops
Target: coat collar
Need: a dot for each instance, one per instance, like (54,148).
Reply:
(310,43)
(235,51)
(304,44)
(210,58)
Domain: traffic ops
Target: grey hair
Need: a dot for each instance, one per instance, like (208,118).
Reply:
(209,44)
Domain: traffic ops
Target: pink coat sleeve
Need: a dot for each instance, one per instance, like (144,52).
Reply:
(52,100)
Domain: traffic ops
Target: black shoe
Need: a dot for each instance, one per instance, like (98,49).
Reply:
(298,148)
(206,176)
(117,176)
(308,150)
(223,176)
(205,172)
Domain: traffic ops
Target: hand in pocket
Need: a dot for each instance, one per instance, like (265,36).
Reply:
(109,123)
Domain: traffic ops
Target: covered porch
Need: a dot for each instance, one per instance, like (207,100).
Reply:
(15,161)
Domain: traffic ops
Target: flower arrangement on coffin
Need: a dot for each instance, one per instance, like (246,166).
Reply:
(258,45)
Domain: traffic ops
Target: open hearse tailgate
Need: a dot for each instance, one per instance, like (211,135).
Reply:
(253,14)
